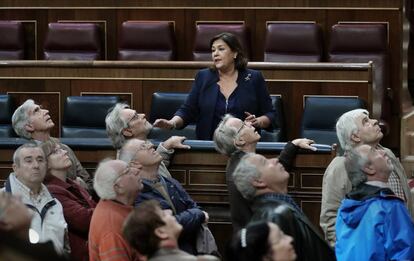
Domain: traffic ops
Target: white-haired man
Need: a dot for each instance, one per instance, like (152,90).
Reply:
(371,213)
(234,138)
(355,128)
(26,182)
(118,185)
(32,122)
(167,191)
(264,183)
(124,123)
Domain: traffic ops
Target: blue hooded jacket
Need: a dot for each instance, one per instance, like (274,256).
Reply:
(374,224)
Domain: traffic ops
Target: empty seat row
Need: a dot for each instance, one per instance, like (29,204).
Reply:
(155,40)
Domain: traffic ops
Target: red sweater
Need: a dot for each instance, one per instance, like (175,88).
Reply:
(105,235)
(78,207)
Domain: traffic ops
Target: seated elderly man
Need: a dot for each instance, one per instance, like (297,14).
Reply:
(167,191)
(371,213)
(124,123)
(160,230)
(353,129)
(48,222)
(264,183)
(32,122)
(118,185)
(234,138)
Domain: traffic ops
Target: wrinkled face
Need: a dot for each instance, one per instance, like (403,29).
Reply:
(145,154)
(32,168)
(273,174)
(39,119)
(172,227)
(369,131)
(377,159)
(129,179)
(138,125)
(59,159)
(244,130)
(223,56)
(281,244)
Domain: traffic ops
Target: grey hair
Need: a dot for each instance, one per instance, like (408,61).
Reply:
(16,154)
(354,164)
(128,150)
(115,124)
(104,179)
(244,175)
(346,126)
(20,119)
(224,137)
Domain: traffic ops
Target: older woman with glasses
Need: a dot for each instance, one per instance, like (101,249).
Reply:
(78,205)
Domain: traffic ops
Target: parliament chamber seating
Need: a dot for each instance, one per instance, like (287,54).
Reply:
(163,106)
(293,42)
(320,115)
(7,108)
(12,40)
(279,128)
(84,116)
(73,41)
(147,41)
(207,30)
(364,42)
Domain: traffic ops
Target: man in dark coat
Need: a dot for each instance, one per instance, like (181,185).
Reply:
(264,182)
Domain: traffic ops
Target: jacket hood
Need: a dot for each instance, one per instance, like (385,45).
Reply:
(352,211)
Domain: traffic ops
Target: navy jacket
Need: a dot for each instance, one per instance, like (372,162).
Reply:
(188,214)
(199,107)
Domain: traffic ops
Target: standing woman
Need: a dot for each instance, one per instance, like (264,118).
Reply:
(227,87)
(78,205)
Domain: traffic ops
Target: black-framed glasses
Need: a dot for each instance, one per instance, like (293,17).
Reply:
(134,117)
(241,127)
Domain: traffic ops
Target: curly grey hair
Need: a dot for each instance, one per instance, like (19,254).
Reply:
(20,119)
(244,175)
(354,164)
(224,137)
(346,126)
(115,124)
(104,179)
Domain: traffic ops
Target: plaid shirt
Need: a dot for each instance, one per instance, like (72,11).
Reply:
(395,185)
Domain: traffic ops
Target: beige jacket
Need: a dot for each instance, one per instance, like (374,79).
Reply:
(336,185)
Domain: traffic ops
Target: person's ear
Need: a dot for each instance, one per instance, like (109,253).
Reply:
(127,132)
(369,169)
(14,166)
(161,233)
(258,183)
(235,55)
(239,141)
(29,127)
(355,138)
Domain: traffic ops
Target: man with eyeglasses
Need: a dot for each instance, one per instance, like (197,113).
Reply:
(235,138)
(124,123)
(118,185)
(32,122)
(167,191)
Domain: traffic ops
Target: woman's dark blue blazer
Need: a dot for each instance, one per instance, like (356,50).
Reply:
(199,107)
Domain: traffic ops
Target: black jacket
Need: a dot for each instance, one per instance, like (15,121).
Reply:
(282,210)
(239,206)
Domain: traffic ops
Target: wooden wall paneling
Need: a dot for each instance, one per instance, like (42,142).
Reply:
(129,91)
(149,87)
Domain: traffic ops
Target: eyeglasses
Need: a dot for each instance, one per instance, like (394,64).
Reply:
(145,146)
(241,127)
(125,172)
(134,117)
